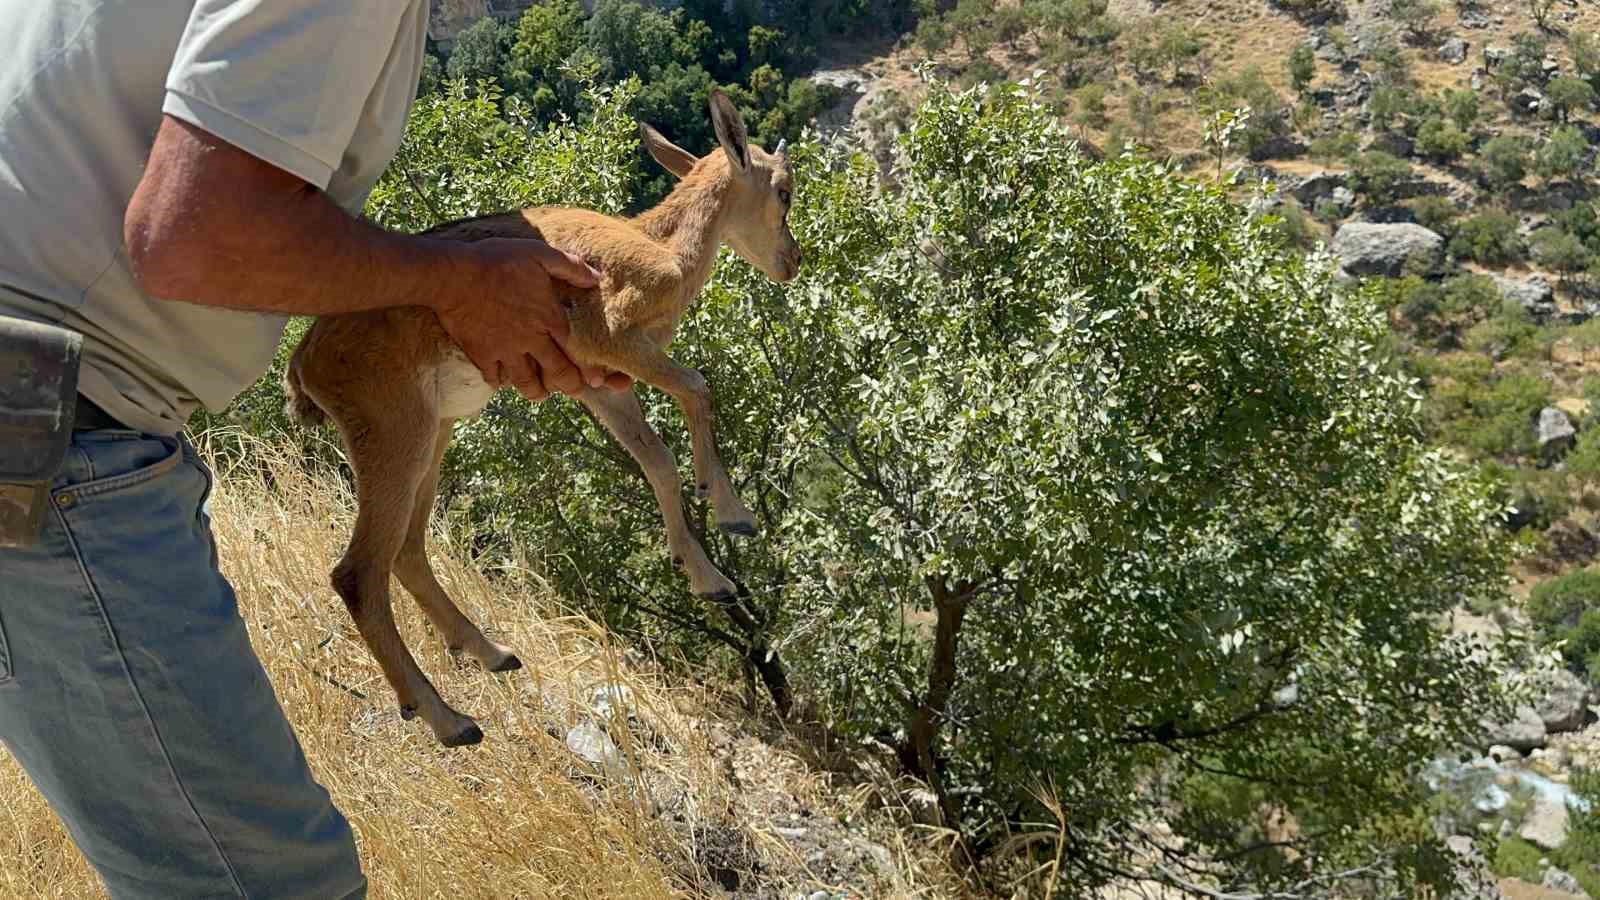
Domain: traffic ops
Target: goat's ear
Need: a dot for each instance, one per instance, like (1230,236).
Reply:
(729,124)
(673,158)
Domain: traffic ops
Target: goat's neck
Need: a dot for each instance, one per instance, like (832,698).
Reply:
(690,221)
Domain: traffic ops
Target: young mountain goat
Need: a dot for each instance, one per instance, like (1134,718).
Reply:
(394,383)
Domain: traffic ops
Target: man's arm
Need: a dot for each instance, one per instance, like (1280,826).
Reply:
(214,225)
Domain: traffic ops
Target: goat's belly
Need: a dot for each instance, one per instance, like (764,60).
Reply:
(461,389)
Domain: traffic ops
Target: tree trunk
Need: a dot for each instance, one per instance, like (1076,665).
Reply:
(950,607)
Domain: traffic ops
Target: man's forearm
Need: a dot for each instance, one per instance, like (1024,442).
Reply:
(208,225)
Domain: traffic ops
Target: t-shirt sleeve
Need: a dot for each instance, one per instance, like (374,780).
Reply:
(283,80)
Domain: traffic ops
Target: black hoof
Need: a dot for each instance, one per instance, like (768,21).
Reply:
(509,664)
(677,561)
(738,529)
(468,736)
(408,712)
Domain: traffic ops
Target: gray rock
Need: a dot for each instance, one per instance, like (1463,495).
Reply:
(590,743)
(1557,880)
(1370,249)
(1528,100)
(609,700)
(923,805)
(1554,432)
(1318,186)
(851,85)
(1524,732)
(1561,698)
(1474,18)
(1454,51)
(1546,824)
(1495,54)
(1500,753)
(1534,294)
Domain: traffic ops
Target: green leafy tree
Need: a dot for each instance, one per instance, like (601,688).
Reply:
(1568,93)
(1072,475)
(1378,175)
(1302,67)
(549,39)
(1442,140)
(1561,251)
(1490,237)
(479,51)
(1505,160)
(1563,156)
(1462,106)
(1416,16)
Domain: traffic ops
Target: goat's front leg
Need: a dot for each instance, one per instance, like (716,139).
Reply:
(647,363)
(621,415)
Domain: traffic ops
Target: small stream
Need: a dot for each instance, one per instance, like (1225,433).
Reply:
(1479,781)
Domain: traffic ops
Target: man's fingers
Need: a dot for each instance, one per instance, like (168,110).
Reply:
(566,267)
(526,378)
(557,370)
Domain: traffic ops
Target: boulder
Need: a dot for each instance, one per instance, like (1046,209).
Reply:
(1557,880)
(447,18)
(1454,51)
(1278,147)
(1318,186)
(1546,824)
(1495,54)
(1533,294)
(1524,732)
(850,86)
(1555,432)
(590,743)
(1528,100)
(1560,698)
(1475,18)
(1365,248)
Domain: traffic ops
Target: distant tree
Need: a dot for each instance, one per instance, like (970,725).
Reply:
(1490,237)
(1541,10)
(1569,93)
(1584,48)
(479,51)
(1462,106)
(1416,16)
(1560,251)
(1441,140)
(1505,160)
(549,36)
(1563,155)
(1091,102)
(1378,174)
(1302,67)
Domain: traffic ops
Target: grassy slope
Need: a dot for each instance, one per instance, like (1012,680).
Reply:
(517,816)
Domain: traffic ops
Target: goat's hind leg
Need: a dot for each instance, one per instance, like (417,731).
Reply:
(390,458)
(621,415)
(647,363)
(416,573)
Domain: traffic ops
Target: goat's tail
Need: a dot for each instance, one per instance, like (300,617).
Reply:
(300,408)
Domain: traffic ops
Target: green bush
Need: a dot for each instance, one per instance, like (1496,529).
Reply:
(1378,175)
(1442,140)
(1505,160)
(1517,858)
(1436,213)
(1486,412)
(1563,155)
(1567,609)
(1490,237)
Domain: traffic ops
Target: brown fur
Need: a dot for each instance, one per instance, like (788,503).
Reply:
(393,380)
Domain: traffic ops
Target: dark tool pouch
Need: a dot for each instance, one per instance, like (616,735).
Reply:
(38,398)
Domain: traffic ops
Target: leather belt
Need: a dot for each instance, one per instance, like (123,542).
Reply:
(89,417)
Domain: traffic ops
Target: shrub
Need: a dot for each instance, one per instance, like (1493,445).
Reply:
(1378,175)
(1462,107)
(1568,93)
(1505,160)
(1486,412)
(1435,213)
(1563,155)
(1561,251)
(1490,237)
(1441,140)
(1302,65)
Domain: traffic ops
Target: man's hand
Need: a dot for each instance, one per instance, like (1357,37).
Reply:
(515,329)
(213,225)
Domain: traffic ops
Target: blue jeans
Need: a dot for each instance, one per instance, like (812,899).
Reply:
(131,695)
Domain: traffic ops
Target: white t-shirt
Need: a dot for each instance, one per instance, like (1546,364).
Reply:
(319,88)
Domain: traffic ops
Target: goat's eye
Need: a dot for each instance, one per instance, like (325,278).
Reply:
(783,197)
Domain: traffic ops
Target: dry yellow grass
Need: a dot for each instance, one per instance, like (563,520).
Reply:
(518,816)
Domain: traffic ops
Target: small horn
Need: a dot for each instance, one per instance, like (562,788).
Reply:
(783,146)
